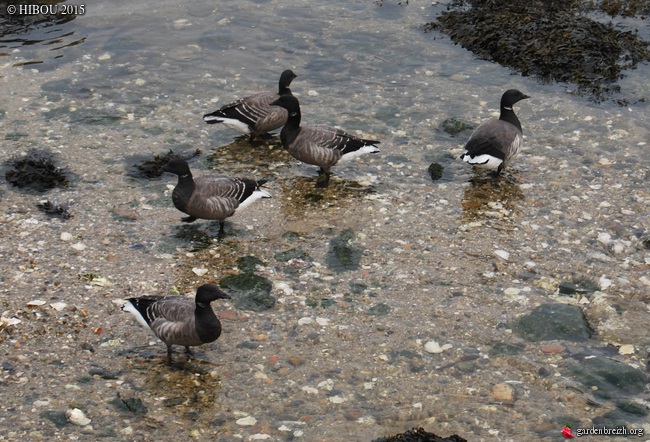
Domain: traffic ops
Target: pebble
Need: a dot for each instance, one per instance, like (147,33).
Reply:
(434,347)
(36,303)
(310,390)
(626,349)
(503,392)
(552,348)
(77,417)
(79,246)
(502,254)
(247,421)
(305,321)
(65,236)
(58,306)
(199,271)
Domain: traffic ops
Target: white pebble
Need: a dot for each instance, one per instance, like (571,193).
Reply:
(626,349)
(604,238)
(433,347)
(512,291)
(36,303)
(322,321)
(79,246)
(309,390)
(77,417)
(502,254)
(247,421)
(199,272)
(604,282)
(305,321)
(58,306)
(65,236)
(327,384)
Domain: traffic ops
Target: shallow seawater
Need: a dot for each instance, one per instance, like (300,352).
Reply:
(397,298)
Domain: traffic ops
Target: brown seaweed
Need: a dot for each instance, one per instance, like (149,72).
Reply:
(36,170)
(553,41)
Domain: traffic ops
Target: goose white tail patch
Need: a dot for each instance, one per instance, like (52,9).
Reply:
(254,197)
(128,307)
(232,124)
(364,150)
(482,161)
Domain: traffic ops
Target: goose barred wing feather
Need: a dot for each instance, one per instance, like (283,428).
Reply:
(170,308)
(171,318)
(337,139)
(324,145)
(253,110)
(217,197)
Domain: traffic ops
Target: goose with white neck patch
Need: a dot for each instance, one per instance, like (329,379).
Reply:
(495,143)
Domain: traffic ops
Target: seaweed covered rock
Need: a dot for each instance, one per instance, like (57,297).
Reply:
(550,40)
(419,435)
(36,170)
(152,168)
(55,209)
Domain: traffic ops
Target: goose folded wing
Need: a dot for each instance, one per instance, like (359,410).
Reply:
(250,109)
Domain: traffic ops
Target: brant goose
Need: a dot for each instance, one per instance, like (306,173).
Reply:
(211,197)
(495,143)
(318,144)
(178,320)
(253,114)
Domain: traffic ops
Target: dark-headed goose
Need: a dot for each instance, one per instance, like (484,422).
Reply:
(319,145)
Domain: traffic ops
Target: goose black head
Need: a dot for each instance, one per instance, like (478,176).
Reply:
(177,166)
(208,293)
(512,96)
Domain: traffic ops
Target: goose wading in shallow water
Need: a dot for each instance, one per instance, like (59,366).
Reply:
(178,320)
(211,197)
(317,144)
(254,114)
(495,143)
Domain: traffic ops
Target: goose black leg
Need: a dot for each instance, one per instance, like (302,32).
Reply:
(323,178)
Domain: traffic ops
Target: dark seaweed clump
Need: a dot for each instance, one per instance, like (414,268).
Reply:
(37,170)
(419,435)
(55,209)
(550,40)
(23,23)
(152,168)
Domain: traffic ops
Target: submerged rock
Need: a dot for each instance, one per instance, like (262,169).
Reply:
(419,435)
(550,322)
(609,379)
(342,256)
(54,209)
(435,171)
(454,126)
(250,291)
